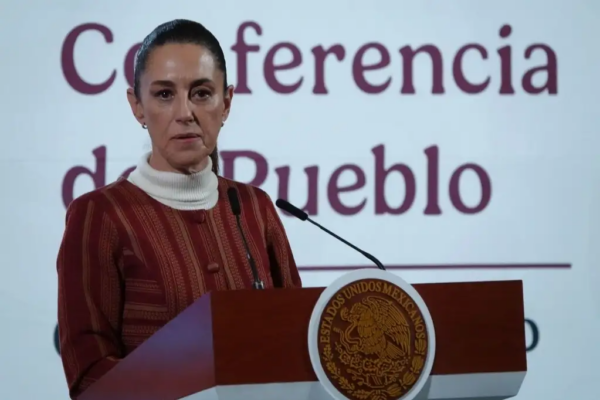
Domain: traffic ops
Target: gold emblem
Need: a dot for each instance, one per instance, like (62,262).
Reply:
(373,341)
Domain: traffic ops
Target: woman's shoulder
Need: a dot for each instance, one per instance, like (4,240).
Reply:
(100,198)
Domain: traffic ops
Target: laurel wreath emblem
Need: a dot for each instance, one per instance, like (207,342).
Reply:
(374,356)
(396,375)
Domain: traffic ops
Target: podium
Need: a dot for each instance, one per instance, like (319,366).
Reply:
(253,345)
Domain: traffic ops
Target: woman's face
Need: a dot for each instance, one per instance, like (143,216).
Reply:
(183,105)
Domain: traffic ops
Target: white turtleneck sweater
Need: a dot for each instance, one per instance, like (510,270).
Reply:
(197,191)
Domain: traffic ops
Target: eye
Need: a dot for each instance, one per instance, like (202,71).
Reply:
(164,94)
(201,93)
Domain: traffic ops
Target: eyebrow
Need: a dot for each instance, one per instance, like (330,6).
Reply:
(171,84)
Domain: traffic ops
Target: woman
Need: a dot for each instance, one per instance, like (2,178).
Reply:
(142,249)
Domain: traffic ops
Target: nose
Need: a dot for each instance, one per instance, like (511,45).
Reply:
(183,111)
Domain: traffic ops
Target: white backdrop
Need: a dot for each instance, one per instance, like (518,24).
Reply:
(538,151)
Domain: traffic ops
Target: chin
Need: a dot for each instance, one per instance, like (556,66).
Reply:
(190,161)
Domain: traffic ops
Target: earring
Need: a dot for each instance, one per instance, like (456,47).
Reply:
(144,126)
(222,124)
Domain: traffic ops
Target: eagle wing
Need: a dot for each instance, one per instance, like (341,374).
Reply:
(392,322)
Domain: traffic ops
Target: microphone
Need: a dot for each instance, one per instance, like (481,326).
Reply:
(301,215)
(236,209)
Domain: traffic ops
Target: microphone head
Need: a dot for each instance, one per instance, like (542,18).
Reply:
(234,201)
(290,208)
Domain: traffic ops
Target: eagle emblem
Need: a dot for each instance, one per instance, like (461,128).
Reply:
(376,344)
(376,327)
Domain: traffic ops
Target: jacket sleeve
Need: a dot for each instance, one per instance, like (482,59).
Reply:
(89,296)
(283,265)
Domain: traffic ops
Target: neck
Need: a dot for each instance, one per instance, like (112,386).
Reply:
(193,191)
(160,164)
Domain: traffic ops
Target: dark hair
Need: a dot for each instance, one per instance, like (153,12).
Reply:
(180,31)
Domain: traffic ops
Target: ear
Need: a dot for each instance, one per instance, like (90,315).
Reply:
(136,106)
(227,100)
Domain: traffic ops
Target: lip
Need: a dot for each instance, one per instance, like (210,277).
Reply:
(187,136)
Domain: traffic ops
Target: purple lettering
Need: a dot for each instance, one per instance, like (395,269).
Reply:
(486,189)
(98,176)
(381,174)
(68,60)
(505,54)
(433,207)
(262,167)
(359,69)
(270,68)
(408,56)
(320,55)
(241,48)
(334,189)
(312,203)
(129,64)
(128,171)
(459,75)
(551,69)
